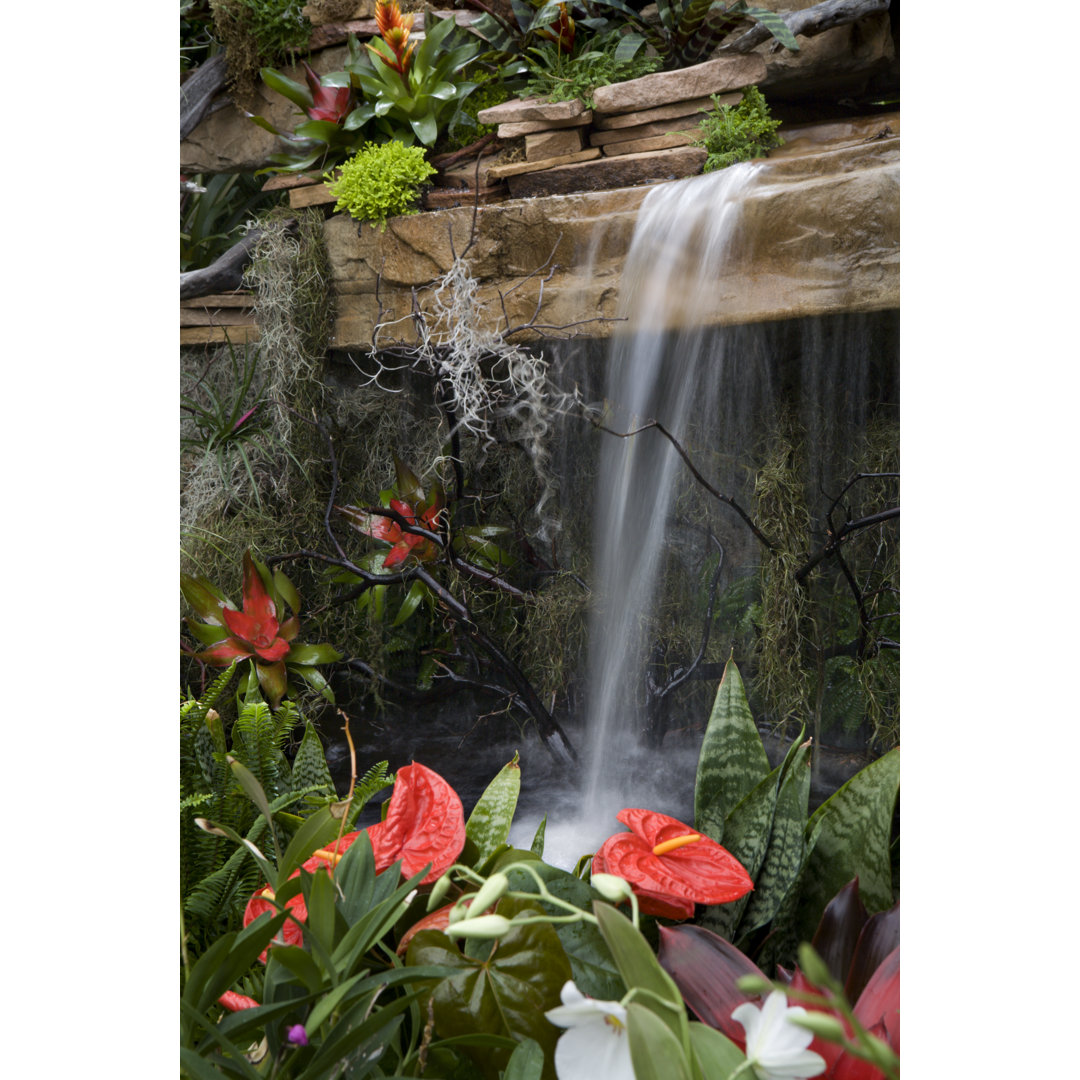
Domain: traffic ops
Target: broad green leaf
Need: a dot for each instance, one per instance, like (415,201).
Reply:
(716,1055)
(507,993)
(746,835)
(315,679)
(638,966)
(655,1051)
(287,591)
(787,844)
(313,654)
(853,830)
(206,634)
(205,599)
(595,973)
(417,591)
(489,823)
(732,761)
(526,1062)
(321,915)
(297,93)
(298,962)
(426,127)
(775,25)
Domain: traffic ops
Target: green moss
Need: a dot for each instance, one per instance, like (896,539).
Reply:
(732,133)
(381,181)
(257,34)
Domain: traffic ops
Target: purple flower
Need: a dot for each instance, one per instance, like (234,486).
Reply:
(297,1035)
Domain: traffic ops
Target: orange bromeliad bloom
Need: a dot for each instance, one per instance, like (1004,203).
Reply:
(395,29)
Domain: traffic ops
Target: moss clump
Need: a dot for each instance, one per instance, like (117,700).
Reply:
(740,132)
(380,181)
(258,34)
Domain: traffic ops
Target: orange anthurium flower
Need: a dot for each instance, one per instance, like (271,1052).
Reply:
(670,866)
(425,823)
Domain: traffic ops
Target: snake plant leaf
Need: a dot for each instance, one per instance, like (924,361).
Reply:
(732,761)
(489,823)
(786,852)
(506,993)
(537,845)
(309,768)
(655,1050)
(853,829)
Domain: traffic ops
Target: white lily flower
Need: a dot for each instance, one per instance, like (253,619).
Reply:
(775,1049)
(595,1044)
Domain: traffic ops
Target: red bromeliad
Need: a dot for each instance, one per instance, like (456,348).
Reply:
(424,824)
(403,543)
(331,103)
(669,866)
(255,631)
(395,29)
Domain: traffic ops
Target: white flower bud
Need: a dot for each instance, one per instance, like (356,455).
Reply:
(495,887)
(483,926)
(611,887)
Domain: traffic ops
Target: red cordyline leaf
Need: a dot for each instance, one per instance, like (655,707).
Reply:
(668,877)
(706,969)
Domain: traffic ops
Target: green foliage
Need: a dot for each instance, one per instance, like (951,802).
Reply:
(761,817)
(256,33)
(211,221)
(464,128)
(380,182)
(425,100)
(732,133)
(557,75)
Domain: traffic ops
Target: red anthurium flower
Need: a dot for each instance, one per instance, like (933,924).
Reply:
(669,866)
(255,631)
(329,102)
(424,823)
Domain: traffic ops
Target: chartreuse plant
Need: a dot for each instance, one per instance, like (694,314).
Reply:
(382,181)
(741,132)
(760,815)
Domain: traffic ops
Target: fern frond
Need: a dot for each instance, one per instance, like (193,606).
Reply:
(257,743)
(371,783)
(193,713)
(197,799)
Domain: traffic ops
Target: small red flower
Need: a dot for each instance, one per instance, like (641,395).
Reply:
(425,823)
(255,631)
(331,103)
(669,866)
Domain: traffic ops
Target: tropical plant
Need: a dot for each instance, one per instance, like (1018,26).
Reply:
(412,92)
(257,632)
(214,218)
(558,72)
(216,879)
(689,30)
(797,860)
(335,123)
(741,132)
(381,181)
(853,958)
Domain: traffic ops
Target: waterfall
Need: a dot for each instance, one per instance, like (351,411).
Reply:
(682,235)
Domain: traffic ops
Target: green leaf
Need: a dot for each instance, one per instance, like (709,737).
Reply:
(489,823)
(537,845)
(590,958)
(309,768)
(298,94)
(412,601)
(655,1051)
(297,962)
(426,127)
(316,832)
(206,600)
(732,761)
(313,654)
(855,825)
(775,25)
(526,1062)
(315,679)
(638,966)
(787,844)
(287,591)
(715,1053)
(506,993)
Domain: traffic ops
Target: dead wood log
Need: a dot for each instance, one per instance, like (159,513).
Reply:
(197,92)
(226,272)
(810,21)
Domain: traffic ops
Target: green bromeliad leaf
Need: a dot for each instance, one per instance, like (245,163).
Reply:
(853,827)
(505,993)
(489,823)
(732,761)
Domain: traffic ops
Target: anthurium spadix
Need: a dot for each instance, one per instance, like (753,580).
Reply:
(256,631)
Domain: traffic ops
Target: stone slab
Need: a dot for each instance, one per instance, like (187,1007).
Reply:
(531,127)
(655,142)
(641,131)
(551,144)
(519,168)
(663,112)
(611,172)
(664,87)
(530,109)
